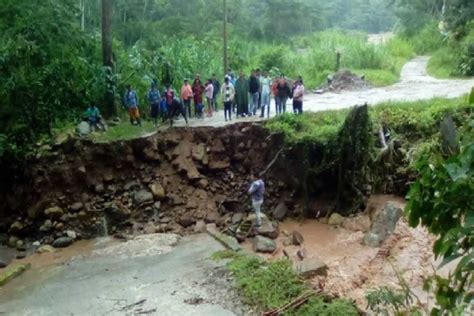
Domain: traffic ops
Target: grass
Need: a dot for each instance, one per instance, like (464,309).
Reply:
(269,285)
(379,77)
(124,131)
(413,120)
(443,64)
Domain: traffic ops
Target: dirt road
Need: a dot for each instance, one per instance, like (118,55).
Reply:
(415,84)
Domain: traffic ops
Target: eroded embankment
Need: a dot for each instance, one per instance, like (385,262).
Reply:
(166,182)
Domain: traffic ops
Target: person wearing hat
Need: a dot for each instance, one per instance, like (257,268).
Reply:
(186,96)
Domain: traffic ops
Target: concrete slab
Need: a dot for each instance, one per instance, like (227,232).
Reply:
(182,282)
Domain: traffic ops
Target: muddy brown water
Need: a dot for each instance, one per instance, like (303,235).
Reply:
(355,269)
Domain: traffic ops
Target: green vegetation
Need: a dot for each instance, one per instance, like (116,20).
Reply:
(442,200)
(124,131)
(269,285)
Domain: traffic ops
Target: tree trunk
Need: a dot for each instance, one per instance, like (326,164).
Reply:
(110,109)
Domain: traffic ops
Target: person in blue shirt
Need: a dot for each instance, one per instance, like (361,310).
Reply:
(131,103)
(163,108)
(93,116)
(154,97)
(257,191)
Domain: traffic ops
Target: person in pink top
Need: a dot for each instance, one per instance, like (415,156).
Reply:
(187,96)
(209,95)
(298,94)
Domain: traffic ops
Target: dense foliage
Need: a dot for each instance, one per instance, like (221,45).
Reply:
(442,199)
(48,69)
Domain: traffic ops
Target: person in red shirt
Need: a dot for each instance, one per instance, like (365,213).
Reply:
(198,90)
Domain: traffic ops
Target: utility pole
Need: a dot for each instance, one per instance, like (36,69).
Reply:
(108,57)
(226,66)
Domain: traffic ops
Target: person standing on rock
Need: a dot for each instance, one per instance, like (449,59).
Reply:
(257,191)
(154,98)
(187,96)
(298,94)
(131,103)
(242,95)
(228,93)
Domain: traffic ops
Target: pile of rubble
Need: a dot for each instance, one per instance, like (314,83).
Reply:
(342,81)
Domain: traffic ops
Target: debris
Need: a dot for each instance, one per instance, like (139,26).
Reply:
(297,238)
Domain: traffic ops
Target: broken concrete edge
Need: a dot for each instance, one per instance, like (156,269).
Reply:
(13,272)
(225,240)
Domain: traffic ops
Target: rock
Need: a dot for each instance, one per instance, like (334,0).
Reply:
(62,242)
(46,249)
(297,238)
(237,218)
(383,225)
(219,165)
(287,242)
(268,229)
(47,226)
(212,217)
(301,253)
(142,196)
(12,241)
(99,188)
(83,129)
(20,255)
(76,207)
(36,244)
(54,212)
(158,191)
(20,245)
(157,206)
(199,153)
(279,213)
(71,234)
(200,227)
(16,227)
(335,219)
(263,244)
(311,267)
(3,264)
(186,221)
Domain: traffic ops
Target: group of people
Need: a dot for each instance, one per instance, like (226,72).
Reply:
(242,96)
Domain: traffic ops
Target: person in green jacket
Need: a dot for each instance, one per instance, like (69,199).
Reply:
(242,95)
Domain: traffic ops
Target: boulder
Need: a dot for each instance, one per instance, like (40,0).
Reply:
(47,226)
(158,191)
(3,264)
(219,165)
(16,227)
(311,267)
(71,234)
(12,241)
(83,129)
(142,196)
(383,225)
(237,218)
(297,238)
(279,213)
(263,244)
(46,249)
(200,227)
(76,207)
(199,153)
(186,221)
(157,206)
(335,219)
(268,229)
(54,212)
(62,242)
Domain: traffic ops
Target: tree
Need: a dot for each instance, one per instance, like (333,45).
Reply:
(109,98)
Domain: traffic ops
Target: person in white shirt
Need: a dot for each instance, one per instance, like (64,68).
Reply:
(228,93)
(266,84)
